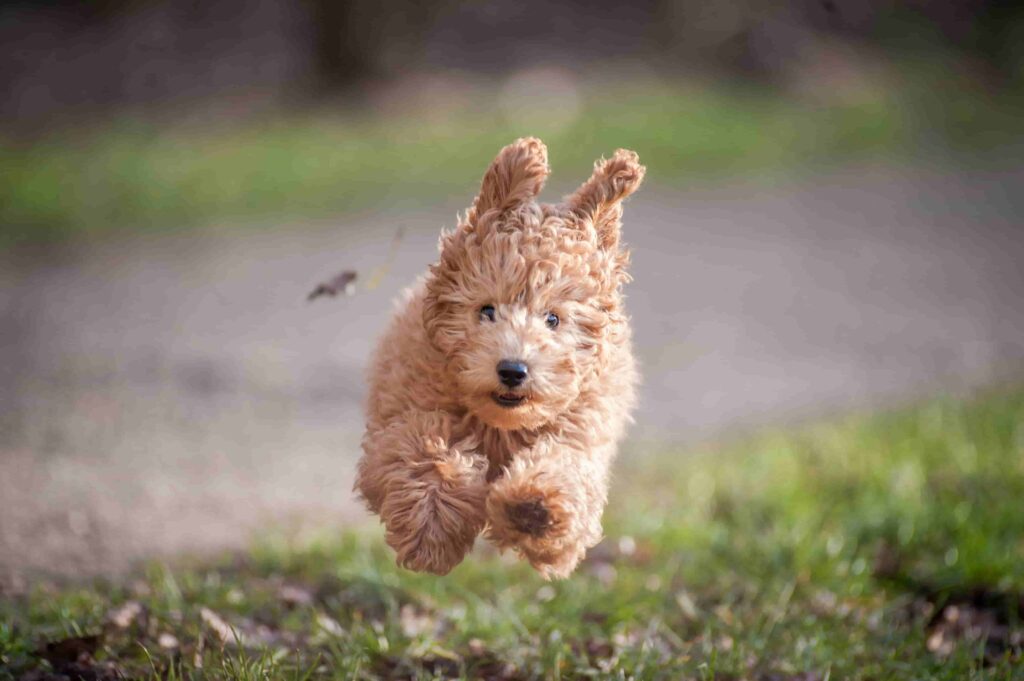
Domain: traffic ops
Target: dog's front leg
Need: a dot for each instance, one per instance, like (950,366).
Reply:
(548,504)
(430,492)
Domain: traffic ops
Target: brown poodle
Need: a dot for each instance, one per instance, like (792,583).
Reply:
(501,390)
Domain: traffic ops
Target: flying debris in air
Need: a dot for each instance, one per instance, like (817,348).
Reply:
(344,283)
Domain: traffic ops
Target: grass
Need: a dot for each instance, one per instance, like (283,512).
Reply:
(133,175)
(137,175)
(872,547)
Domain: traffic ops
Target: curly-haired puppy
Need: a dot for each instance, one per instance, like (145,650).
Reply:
(501,390)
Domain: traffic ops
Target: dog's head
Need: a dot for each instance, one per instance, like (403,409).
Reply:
(525,302)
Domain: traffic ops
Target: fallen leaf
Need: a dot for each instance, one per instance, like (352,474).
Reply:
(343,283)
(77,671)
(168,641)
(965,623)
(414,623)
(70,650)
(197,654)
(294,595)
(687,605)
(216,623)
(329,624)
(124,616)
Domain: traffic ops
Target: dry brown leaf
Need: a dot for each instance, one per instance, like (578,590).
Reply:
(329,625)
(294,595)
(221,628)
(413,622)
(68,650)
(687,605)
(343,283)
(168,641)
(124,616)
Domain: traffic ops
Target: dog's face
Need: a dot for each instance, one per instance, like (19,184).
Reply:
(526,298)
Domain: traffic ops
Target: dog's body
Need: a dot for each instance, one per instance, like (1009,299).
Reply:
(501,390)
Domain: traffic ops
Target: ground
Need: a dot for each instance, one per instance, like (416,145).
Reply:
(176,393)
(168,395)
(886,546)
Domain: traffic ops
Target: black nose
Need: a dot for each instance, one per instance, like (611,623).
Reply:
(512,372)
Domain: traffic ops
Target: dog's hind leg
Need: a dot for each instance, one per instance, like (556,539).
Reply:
(430,492)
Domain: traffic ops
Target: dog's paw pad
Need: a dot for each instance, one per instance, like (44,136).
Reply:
(529,517)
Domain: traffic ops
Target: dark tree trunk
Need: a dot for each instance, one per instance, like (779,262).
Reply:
(344,44)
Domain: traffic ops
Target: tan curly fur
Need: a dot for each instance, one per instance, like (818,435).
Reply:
(444,459)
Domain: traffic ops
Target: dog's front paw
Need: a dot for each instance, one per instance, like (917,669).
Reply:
(434,514)
(540,517)
(557,563)
(529,517)
(430,551)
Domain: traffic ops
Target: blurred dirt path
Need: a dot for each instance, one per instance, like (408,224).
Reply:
(175,393)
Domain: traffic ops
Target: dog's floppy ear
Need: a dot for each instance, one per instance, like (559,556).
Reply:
(516,176)
(599,199)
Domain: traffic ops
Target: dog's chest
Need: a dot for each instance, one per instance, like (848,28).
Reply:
(500,446)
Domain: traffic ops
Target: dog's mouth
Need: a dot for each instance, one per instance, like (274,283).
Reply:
(508,400)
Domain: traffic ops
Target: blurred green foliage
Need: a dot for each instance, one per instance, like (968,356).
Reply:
(143,176)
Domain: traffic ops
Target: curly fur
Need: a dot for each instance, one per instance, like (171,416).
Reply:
(443,460)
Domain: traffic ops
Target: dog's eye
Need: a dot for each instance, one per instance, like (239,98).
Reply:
(551,320)
(487,313)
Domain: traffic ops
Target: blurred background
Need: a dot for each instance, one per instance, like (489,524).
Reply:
(831,221)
